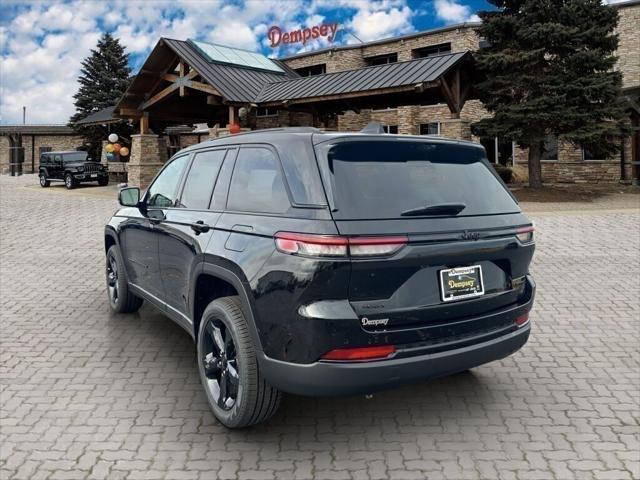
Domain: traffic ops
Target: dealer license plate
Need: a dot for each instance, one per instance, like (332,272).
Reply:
(461,282)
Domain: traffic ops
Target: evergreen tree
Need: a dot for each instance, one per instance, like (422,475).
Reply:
(549,70)
(104,77)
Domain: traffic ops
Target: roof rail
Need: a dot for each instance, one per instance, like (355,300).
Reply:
(277,129)
(373,127)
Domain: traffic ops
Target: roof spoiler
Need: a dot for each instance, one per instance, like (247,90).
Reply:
(373,127)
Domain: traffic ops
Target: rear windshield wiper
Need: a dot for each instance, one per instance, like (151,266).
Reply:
(442,209)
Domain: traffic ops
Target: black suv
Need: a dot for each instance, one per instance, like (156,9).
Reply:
(326,263)
(71,168)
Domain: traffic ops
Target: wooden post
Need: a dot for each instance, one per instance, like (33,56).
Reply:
(144,123)
(232,115)
(183,72)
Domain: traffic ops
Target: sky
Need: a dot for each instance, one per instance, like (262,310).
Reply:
(42,43)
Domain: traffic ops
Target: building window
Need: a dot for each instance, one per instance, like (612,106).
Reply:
(266,112)
(390,128)
(483,43)
(550,148)
(593,153)
(312,70)
(431,50)
(499,150)
(382,59)
(432,128)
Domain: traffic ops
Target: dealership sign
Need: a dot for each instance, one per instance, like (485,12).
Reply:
(277,36)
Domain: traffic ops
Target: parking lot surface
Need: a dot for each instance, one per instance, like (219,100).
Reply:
(88,395)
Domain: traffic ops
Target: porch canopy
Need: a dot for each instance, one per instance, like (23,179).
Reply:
(190,82)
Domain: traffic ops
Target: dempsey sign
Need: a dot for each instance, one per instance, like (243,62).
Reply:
(277,36)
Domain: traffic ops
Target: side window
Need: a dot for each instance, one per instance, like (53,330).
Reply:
(201,179)
(257,184)
(162,194)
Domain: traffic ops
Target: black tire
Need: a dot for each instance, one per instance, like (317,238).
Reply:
(43,180)
(69,181)
(255,400)
(103,182)
(121,300)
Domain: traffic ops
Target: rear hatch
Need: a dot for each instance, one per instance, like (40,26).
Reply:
(461,258)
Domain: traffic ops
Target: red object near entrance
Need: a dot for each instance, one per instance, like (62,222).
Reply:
(234,128)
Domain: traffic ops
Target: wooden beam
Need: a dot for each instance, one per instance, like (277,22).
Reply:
(232,115)
(182,69)
(448,95)
(130,112)
(144,123)
(203,87)
(159,96)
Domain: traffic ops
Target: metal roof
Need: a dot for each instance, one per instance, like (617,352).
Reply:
(100,117)
(51,129)
(235,83)
(390,75)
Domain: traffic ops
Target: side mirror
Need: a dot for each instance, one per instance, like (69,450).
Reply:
(129,196)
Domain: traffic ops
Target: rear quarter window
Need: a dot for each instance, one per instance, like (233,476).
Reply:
(257,184)
(379,179)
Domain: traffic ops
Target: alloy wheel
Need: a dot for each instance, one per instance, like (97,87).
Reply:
(43,180)
(112,279)
(220,364)
(68,181)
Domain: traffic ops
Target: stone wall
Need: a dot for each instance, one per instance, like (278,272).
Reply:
(148,155)
(629,46)
(32,144)
(5,157)
(461,38)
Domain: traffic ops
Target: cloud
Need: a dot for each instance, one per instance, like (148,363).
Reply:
(454,12)
(43,42)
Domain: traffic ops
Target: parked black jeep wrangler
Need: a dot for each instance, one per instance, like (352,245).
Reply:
(326,263)
(71,168)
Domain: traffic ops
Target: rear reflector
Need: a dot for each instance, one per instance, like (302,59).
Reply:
(336,246)
(377,352)
(525,234)
(522,319)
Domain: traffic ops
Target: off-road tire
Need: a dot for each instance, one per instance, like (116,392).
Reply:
(257,400)
(43,180)
(69,181)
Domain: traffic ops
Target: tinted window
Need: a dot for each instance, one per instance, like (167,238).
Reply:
(75,157)
(163,192)
(257,184)
(201,179)
(382,179)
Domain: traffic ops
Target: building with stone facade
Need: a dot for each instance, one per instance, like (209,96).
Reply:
(418,84)
(21,145)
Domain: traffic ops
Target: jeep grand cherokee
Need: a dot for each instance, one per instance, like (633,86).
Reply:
(326,263)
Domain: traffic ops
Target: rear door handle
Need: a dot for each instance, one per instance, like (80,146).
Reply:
(200,227)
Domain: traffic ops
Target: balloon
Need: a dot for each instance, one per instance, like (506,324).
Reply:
(116,147)
(234,128)
(124,151)
(113,138)
(110,156)
(108,148)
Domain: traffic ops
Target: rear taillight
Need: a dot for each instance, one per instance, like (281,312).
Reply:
(525,234)
(360,354)
(522,319)
(311,245)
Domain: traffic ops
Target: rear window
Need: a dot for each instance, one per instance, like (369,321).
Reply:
(384,179)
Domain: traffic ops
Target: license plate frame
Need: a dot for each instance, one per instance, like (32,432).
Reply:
(461,275)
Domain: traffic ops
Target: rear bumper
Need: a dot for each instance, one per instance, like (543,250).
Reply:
(325,378)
